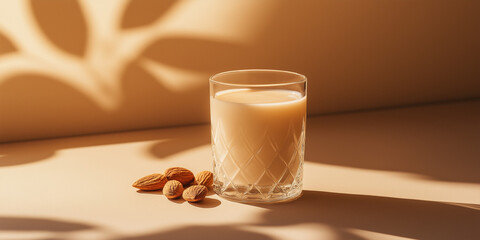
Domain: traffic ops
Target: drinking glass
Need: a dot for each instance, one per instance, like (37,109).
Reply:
(258,119)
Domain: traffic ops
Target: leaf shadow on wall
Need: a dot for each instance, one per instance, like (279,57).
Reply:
(64,110)
(438,143)
(43,101)
(203,55)
(139,13)
(39,104)
(42,104)
(398,217)
(6,46)
(63,23)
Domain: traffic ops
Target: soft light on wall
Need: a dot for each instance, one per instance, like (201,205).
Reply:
(71,67)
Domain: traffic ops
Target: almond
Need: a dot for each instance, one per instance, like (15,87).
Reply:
(154,181)
(195,193)
(204,178)
(173,189)
(180,174)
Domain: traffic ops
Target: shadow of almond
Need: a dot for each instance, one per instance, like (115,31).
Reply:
(207,203)
(210,192)
(153,192)
(177,200)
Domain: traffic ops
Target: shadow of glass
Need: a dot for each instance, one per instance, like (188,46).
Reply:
(63,23)
(398,217)
(434,141)
(39,224)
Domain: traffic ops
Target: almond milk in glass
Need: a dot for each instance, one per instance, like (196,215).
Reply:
(258,122)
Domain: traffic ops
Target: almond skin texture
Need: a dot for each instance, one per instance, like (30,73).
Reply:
(173,189)
(195,193)
(151,182)
(180,174)
(204,178)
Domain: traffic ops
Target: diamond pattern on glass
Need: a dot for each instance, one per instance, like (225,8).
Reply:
(266,177)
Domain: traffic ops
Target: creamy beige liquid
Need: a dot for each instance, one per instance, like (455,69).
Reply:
(254,130)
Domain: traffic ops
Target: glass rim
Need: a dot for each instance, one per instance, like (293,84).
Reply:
(303,78)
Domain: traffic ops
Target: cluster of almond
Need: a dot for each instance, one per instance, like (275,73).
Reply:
(176,182)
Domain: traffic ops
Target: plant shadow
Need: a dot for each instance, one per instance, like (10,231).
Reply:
(178,139)
(206,232)
(437,141)
(140,13)
(6,46)
(71,16)
(40,224)
(398,217)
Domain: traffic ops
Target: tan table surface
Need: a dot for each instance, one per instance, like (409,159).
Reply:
(405,173)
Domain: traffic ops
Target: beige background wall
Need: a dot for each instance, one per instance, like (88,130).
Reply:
(77,67)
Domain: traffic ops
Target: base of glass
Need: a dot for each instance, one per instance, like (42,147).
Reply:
(250,194)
